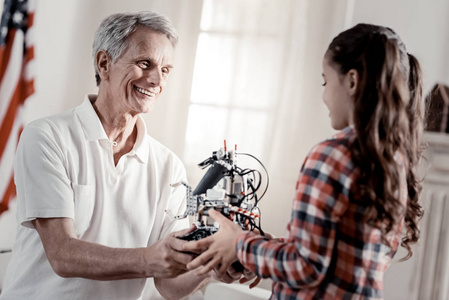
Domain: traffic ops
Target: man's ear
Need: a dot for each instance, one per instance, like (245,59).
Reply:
(352,80)
(103,61)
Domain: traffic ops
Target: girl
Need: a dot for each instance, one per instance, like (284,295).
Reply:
(356,191)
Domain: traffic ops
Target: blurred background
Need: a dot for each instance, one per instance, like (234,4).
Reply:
(246,71)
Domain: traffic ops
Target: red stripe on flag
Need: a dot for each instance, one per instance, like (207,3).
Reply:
(30,19)
(9,194)
(5,52)
(10,116)
(29,55)
(27,90)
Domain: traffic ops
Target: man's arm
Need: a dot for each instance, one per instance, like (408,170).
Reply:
(187,283)
(71,257)
(181,286)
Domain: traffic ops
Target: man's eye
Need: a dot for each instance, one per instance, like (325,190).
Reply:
(143,64)
(166,70)
(324,84)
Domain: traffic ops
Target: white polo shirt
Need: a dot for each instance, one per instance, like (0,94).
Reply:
(64,167)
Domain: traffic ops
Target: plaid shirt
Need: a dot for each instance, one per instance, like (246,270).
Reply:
(330,252)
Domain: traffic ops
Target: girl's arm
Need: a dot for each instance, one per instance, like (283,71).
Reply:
(303,260)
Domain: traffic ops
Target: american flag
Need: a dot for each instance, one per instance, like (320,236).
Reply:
(16,85)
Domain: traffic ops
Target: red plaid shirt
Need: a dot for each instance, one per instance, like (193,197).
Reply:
(330,252)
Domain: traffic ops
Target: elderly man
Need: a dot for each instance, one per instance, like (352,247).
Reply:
(93,187)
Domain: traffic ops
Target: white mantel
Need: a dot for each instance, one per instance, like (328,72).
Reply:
(431,277)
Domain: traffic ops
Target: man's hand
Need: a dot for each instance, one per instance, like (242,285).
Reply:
(218,250)
(166,259)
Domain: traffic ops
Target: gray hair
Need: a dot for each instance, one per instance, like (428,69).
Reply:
(113,32)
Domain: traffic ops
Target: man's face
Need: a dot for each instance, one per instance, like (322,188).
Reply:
(138,77)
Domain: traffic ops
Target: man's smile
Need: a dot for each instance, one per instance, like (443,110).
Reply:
(144,91)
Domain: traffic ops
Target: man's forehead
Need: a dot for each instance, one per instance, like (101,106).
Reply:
(148,34)
(150,44)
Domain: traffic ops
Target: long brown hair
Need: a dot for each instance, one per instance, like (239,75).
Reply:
(388,120)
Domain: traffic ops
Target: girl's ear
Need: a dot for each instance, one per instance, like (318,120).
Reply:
(352,81)
(103,61)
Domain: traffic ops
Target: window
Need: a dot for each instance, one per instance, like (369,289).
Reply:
(236,77)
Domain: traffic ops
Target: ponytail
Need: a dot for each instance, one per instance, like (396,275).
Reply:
(415,112)
(382,126)
(416,105)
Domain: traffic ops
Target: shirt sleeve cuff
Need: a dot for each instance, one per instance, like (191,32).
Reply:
(240,244)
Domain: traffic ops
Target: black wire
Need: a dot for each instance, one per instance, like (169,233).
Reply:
(258,182)
(253,194)
(254,177)
(242,172)
(265,169)
(260,218)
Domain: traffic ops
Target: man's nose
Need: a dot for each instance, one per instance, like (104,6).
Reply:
(155,76)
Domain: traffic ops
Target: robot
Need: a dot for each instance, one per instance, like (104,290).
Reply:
(227,188)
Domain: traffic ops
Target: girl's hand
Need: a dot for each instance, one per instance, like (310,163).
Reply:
(218,250)
(230,276)
(248,276)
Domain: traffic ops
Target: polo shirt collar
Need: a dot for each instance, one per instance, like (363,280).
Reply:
(94,130)
(141,146)
(90,122)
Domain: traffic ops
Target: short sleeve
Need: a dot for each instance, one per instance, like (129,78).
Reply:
(43,187)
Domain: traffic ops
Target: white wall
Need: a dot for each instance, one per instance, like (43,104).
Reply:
(64,31)
(422,25)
